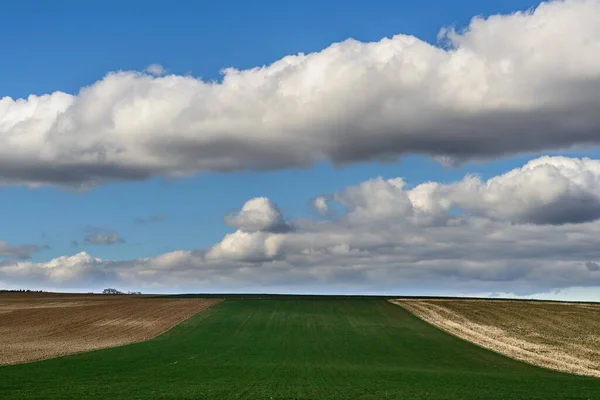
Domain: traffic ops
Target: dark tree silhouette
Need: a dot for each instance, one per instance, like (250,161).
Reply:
(111,291)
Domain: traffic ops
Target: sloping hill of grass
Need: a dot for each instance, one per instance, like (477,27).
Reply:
(294,349)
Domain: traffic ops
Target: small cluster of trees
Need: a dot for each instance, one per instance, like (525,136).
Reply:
(115,291)
(111,291)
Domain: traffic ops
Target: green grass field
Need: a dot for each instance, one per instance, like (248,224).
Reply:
(294,349)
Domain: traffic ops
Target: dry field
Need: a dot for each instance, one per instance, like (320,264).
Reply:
(560,336)
(38,326)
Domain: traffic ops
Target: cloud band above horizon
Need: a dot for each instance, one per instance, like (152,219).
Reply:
(464,237)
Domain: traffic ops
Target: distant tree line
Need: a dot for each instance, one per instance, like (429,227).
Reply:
(105,291)
(115,291)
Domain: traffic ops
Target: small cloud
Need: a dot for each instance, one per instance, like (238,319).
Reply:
(320,206)
(106,239)
(156,70)
(153,218)
(592,266)
(22,252)
(102,236)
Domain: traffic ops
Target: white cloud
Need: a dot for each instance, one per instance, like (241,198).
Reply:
(375,199)
(547,190)
(527,81)
(389,239)
(258,214)
(260,224)
(320,205)
(247,246)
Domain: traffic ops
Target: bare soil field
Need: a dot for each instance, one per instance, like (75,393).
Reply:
(38,326)
(560,336)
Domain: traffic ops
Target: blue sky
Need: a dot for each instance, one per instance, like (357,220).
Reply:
(64,45)
(67,45)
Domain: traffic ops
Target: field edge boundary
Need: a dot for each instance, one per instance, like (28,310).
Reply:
(521,355)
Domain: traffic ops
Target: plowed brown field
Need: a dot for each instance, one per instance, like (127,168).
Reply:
(38,326)
(561,336)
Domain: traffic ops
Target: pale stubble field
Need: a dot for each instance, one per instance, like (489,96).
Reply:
(556,335)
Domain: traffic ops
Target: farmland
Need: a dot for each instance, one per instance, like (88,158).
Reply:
(292,348)
(38,326)
(562,336)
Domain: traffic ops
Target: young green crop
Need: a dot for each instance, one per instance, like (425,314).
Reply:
(294,349)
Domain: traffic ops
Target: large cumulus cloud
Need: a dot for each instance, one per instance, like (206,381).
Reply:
(546,190)
(527,81)
(465,237)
